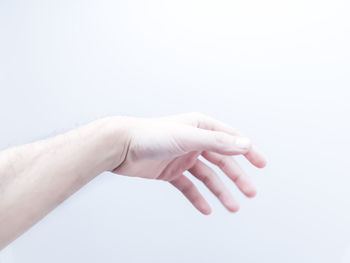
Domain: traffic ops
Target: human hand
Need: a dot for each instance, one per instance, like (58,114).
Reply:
(38,176)
(164,148)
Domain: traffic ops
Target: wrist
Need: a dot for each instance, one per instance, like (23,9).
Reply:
(113,140)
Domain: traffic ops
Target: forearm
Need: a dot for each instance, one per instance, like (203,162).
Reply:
(35,178)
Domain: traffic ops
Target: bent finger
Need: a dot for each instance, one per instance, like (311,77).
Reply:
(208,176)
(254,156)
(194,139)
(191,192)
(232,169)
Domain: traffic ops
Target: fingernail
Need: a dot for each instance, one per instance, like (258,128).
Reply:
(243,142)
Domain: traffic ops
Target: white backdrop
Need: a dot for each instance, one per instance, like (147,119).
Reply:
(277,70)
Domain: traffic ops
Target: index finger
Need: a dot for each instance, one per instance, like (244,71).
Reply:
(254,156)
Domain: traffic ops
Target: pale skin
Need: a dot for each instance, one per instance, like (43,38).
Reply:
(36,177)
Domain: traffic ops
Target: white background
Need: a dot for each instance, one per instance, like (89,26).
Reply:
(277,70)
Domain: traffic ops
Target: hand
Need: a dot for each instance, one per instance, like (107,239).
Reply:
(164,148)
(36,177)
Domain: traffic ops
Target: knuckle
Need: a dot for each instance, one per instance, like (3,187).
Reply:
(187,187)
(220,194)
(236,177)
(220,138)
(222,163)
(206,179)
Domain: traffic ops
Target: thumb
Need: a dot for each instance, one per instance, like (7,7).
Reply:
(196,139)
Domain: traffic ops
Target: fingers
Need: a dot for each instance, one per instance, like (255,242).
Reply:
(208,176)
(231,168)
(194,139)
(178,166)
(192,194)
(202,121)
